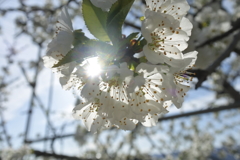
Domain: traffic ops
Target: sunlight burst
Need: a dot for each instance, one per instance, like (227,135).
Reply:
(93,67)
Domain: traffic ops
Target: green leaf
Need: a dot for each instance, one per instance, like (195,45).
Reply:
(90,48)
(104,50)
(123,44)
(79,38)
(143,59)
(116,18)
(126,45)
(132,35)
(138,46)
(143,42)
(101,46)
(95,20)
(127,40)
(76,54)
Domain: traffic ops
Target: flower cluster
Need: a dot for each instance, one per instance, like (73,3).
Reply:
(134,83)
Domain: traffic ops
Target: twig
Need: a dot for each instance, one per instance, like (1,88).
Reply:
(237,50)
(2,123)
(33,85)
(38,99)
(5,130)
(42,107)
(50,138)
(231,91)
(45,112)
(50,94)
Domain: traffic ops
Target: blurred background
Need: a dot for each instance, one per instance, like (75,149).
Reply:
(35,112)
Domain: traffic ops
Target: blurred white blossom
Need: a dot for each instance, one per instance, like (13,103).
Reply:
(15,154)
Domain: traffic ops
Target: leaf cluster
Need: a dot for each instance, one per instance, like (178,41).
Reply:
(110,44)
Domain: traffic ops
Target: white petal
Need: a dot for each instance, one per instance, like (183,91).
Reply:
(135,84)
(97,124)
(65,20)
(186,26)
(91,89)
(138,55)
(150,120)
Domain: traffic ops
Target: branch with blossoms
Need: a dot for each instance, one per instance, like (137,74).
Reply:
(218,61)
(205,5)
(235,27)
(124,80)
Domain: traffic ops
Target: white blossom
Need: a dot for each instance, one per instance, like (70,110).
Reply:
(177,80)
(165,39)
(12,154)
(107,98)
(59,47)
(61,43)
(168,83)
(87,112)
(148,97)
(175,8)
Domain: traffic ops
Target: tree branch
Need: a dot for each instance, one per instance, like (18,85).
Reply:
(236,26)
(58,156)
(217,109)
(218,61)
(231,91)
(50,138)
(33,85)
(221,108)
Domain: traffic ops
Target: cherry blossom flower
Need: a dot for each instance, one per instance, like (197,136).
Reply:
(165,40)
(104,113)
(177,80)
(107,97)
(176,8)
(165,83)
(59,47)
(148,97)
(87,112)
(61,43)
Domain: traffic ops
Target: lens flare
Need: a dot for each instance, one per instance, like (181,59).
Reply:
(93,67)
